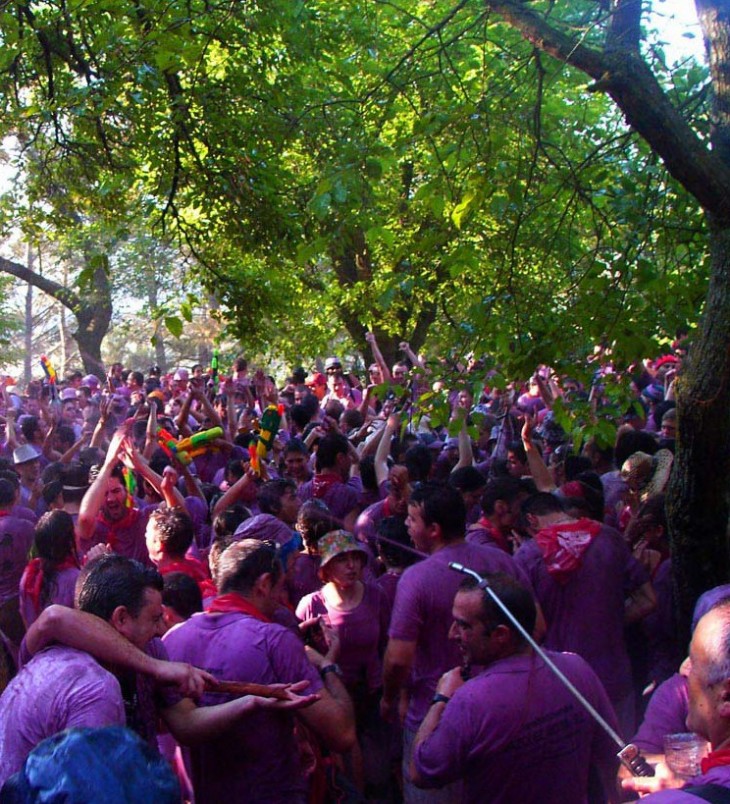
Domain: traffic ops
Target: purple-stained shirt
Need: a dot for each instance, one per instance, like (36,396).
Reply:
(614,489)
(666,714)
(660,627)
(303,578)
(126,540)
(422,614)
(719,776)
(585,615)
(388,582)
(59,688)
(21,512)
(62,593)
(363,633)
(16,539)
(340,498)
(366,525)
(257,759)
(207,464)
(514,733)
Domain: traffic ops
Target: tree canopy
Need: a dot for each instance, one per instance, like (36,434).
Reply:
(406,168)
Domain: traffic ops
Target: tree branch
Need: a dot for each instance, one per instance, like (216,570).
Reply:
(631,84)
(54,289)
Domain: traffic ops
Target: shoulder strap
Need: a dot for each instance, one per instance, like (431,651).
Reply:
(714,793)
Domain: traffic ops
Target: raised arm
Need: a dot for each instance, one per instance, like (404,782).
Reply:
(378,356)
(94,497)
(539,471)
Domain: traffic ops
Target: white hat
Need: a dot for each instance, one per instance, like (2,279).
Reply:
(24,453)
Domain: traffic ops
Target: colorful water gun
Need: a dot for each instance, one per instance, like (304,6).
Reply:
(51,376)
(130,484)
(186,449)
(268,428)
(213,381)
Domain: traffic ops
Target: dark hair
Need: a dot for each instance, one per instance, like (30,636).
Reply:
(541,504)
(576,465)
(518,449)
(314,520)
(443,505)
(332,445)
(54,541)
(334,409)
(175,529)
(394,528)
(244,562)
(467,478)
(270,494)
(240,364)
(111,581)
(28,426)
(182,593)
(418,461)
(632,441)
(367,473)
(137,376)
(7,493)
(296,445)
(227,521)
(65,434)
(300,416)
(517,599)
(352,419)
(75,480)
(506,489)
(51,491)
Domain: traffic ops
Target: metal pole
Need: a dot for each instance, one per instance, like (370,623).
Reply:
(629,754)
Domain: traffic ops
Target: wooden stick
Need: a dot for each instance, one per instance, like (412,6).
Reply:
(241,688)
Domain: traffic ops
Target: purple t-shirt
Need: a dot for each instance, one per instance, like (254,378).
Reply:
(59,688)
(666,714)
(514,733)
(614,489)
(366,526)
(586,614)
(422,614)
(340,498)
(257,759)
(62,592)
(388,582)
(16,539)
(127,538)
(363,633)
(303,578)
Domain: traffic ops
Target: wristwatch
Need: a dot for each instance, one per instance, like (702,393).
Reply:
(439,697)
(331,668)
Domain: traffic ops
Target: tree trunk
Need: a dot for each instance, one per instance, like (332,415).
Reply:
(697,496)
(27,363)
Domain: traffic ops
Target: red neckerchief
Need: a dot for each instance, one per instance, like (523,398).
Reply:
(126,521)
(495,535)
(33,577)
(208,588)
(225,604)
(188,566)
(5,513)
(322,482)
(715,759)
(563,546)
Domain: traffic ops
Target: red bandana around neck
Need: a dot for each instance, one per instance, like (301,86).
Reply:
(564,545)
(33,577)
(233,602)
(715,759)
(115,526)
(495,535)
(322,482)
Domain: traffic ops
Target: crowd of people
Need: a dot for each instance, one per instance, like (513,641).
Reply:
(259,580)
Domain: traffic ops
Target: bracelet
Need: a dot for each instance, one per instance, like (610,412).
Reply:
(330,668)
(439,697)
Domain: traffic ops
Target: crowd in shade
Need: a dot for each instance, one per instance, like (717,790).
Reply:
(258,580)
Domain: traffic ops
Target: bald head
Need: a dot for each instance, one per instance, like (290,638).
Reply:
(709,676)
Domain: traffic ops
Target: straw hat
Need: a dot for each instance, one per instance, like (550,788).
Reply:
(648,474)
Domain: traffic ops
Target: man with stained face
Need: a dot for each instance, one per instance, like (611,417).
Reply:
(513,732)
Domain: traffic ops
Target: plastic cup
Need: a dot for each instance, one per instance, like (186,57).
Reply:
(683,753)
